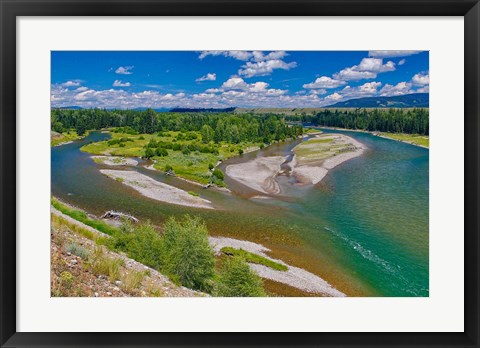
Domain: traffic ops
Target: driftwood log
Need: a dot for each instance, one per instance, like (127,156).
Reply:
(111,214)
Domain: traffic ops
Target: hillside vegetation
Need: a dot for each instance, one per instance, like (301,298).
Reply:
(180,252)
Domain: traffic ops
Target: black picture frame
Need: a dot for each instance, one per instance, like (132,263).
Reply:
(10,10)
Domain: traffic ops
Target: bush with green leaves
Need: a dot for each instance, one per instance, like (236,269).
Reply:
(142,243)
(218,173)
(78,250)
(236,279)
(188,255)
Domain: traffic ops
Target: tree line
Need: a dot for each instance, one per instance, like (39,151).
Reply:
(216,127)
(412,121)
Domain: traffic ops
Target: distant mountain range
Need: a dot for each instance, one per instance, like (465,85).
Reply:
(416,100)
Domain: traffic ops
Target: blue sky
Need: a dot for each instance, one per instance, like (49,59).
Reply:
(214,79)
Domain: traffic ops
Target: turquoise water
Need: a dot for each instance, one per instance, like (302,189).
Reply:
(364,228)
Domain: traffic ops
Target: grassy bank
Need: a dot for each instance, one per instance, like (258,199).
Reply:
(321,147)
(60,138)
(414,139)
(254,258)
(185,153)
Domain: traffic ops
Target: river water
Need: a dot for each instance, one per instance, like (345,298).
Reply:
(364,228)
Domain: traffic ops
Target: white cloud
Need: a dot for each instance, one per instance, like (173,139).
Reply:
(401,62)
(239,55)
(366,90)
(367,69)
(258,56)
(349,74)
(375,65)
(318,91)
(234,83)
(421,79)
(208,77)
(118,83)
(391,54)
(72,83)
(400,88)
(333,97)
(124,70)
(324,82)
(264,68)
(424,89)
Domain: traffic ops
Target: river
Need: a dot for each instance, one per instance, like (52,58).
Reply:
(364,228)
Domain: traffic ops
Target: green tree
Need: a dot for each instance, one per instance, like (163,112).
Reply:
(188,255)
(207,133)
(236,279)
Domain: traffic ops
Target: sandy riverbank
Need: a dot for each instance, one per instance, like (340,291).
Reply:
(258,174)
(315,157)
(115,160)
(294,276)
(310,164)
(157,190)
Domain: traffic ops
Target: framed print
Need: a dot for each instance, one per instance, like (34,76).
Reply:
(239,174)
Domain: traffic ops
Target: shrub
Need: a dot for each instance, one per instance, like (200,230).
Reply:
(149,153)
(78,250)
(161,152)
(188,255)
(210,166)
(121,145)
(66,278)
(240,152)
(168,168)
(132,281)
(141,137)
(236,279)
(218,173)
(104,265)
(142,243)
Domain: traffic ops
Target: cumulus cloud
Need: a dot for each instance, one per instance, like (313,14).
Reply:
(368,68)
(208,77)
(349,74)
(71,83)
(124,70)
(258,56)
(118,83)
(391,54)
(333,97)
(424,89)
(421,79)
(368,89)
(324,82)
(257,62)
(239,55)
(400,88)
(263,68)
